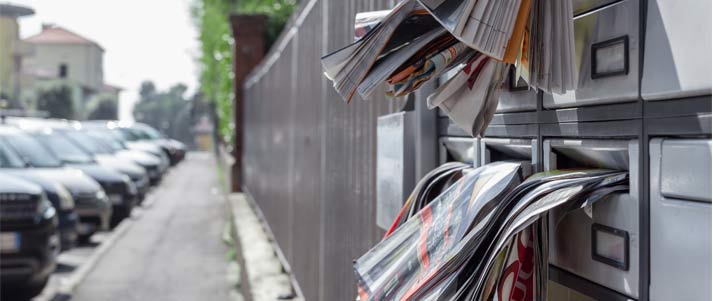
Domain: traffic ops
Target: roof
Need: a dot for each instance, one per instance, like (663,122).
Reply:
(16,11)
(53,34)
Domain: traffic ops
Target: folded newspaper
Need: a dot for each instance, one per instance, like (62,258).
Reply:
(484,237)
(421,40)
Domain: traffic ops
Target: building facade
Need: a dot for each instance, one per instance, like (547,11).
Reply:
(12,51)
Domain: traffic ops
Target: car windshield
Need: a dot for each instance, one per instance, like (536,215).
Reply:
(8,157)
(106,140)
(87,143)
(129,134)
(148,132)
(64,148)
(32,151)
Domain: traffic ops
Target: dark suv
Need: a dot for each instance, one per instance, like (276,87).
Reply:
(29,242)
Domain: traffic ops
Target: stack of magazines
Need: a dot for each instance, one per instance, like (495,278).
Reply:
(483,238)
(421,40)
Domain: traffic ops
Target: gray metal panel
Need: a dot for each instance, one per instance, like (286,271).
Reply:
(677,60)
(679,126)
(394,165)
(570,240)
(619,111)
(446,127)
(512,130)
(680,230)
(619,20)
(515,118)
(607,129)
(678,107)
(686,169)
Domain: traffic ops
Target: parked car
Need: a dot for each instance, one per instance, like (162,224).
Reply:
(116,180)
(91,202)
(138,145)
(29,242)
(174,149)
(148,164)
(84,149)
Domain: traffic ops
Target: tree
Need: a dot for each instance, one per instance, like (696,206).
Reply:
(216,78)
(56,99)
(161,109)
(103,107)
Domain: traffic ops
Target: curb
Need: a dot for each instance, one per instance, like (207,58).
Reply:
(268,275)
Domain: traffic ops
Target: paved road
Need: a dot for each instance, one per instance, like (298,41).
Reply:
(174,251)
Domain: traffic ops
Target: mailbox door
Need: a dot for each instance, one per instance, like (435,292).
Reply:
(680,219)
(615,219)
(677,60)
(516,96)
(606,55)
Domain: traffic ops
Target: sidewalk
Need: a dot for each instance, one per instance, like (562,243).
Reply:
(174,251)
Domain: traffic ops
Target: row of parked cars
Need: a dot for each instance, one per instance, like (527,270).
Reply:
(61,181)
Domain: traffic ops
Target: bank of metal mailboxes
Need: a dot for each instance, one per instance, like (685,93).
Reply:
(677,60)
(606,55)
(394,165)
(458,149)
(680,208)
(601,243)
(516,95)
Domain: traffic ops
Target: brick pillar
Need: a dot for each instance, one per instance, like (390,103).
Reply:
(249,34)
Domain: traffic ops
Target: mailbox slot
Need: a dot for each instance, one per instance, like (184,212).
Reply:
(613,221)
(504,149)
(459,149)
(606,56)
(680,203)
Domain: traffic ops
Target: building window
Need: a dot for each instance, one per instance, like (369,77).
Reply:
(62,70)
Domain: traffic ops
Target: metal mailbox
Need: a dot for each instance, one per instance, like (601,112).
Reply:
(606,55)
(516,96)
(458,149)
(677,59)
(601,243)
(507,149)
(394,165)
(680,196)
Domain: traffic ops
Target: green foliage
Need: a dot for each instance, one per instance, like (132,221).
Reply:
(163,109)
(103,106)
(212,19)
(57,100)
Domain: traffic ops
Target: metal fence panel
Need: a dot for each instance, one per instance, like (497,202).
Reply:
(310,158)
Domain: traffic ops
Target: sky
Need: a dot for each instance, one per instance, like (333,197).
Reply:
(142,39)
